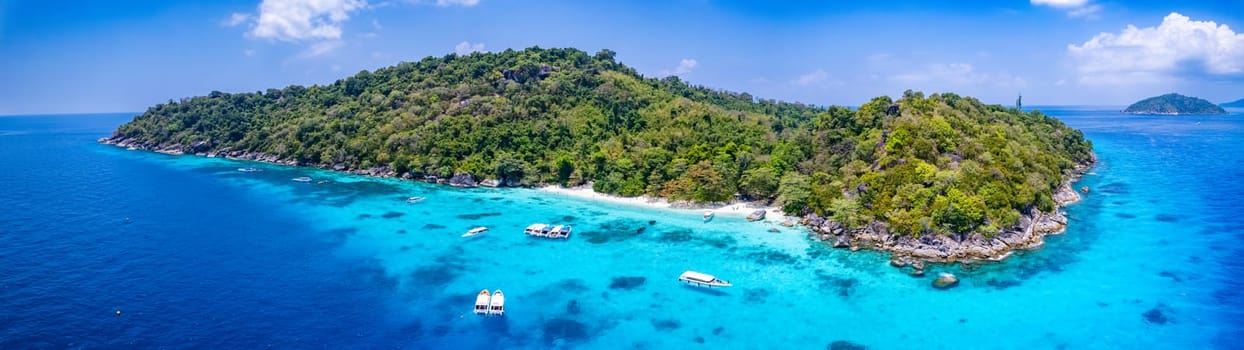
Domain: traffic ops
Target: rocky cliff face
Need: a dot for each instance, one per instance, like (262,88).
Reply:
(1029,233)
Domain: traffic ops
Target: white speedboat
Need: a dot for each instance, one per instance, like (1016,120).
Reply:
(248,170)
(475,231)
(708,215)
(497,305)
(548,231)
(702,279)
(414,199)
(302,179)
(481,302)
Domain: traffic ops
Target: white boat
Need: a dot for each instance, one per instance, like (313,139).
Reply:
(702,279)
(414,199)
(481,302)
(559,231)
(248,170)
(708,215)
(538,230)
(475,231)
(302,179)
(497,305)
(548,231)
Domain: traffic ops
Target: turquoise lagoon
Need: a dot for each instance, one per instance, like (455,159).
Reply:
(197,254)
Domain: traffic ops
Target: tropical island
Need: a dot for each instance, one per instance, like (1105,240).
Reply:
(1236,104)
(1174,104)
(930,178)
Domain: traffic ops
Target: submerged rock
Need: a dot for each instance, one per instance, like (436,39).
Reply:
(845,345)
(945,281)
(1155,316)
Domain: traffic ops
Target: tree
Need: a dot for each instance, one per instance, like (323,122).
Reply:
(759,183)
(794,192)
(508,169)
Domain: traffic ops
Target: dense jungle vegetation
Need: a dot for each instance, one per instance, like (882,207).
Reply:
(922,164)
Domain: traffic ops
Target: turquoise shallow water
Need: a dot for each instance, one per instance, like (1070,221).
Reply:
(210,256)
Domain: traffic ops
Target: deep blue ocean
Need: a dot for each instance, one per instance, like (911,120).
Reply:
(195,254)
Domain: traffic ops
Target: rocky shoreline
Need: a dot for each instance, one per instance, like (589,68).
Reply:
(206,149)
(914,253)
(906,251)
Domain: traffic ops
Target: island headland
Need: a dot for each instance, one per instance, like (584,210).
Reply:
(937,178)
(1173,104)
(1234,104)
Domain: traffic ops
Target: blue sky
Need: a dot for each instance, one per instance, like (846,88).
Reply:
(100,56)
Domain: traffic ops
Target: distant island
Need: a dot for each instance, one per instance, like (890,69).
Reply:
(1174,104)
(930,178)
(1237,104)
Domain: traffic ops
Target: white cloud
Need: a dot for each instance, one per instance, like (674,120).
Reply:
(466,48)
(1089,11)
(1179,47)
(467,3)
(1074,8)
(685,66)
(303,20)
(952,75)
(235,19)
(1060,3)
(815,77)
(321,48)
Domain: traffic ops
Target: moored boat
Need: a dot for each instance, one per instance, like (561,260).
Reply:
(481,302)
(559,231)
(475,231)
(548,231)
(302,179)
(497,304)
(708,215)
(703,279)
(538,230)
(248,170)
(414,199)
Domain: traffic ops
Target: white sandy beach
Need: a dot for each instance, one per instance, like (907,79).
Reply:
(733,208)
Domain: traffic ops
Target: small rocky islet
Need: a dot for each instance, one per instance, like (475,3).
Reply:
(1174,104)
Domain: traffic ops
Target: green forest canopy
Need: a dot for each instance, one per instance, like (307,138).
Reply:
(936,164)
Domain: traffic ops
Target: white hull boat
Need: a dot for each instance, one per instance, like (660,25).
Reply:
(497,304)
(548,231)
(475,232)
(481,302)
(702,279)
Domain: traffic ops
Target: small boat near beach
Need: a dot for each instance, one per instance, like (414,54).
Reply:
(497,304)
(302,179)
(248,170)
(481,302)
(702,279)
(548,231)
(708,215)
(475,231)
(414,199)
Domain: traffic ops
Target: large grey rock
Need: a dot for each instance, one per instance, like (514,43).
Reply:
(842,241)
(756,215)
(462,180)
